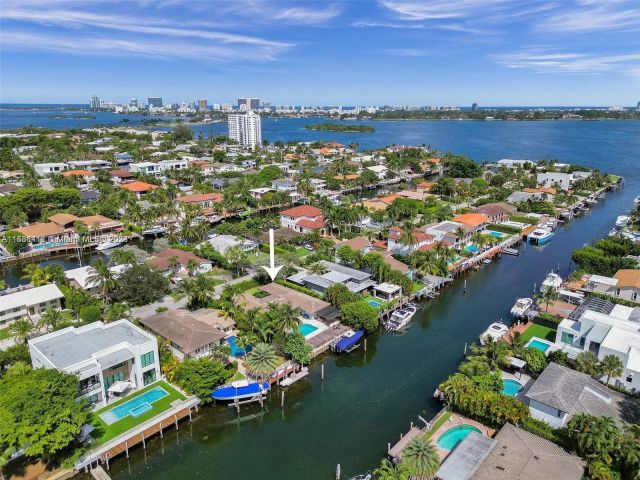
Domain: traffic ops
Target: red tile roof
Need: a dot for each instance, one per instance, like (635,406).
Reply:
(201,197)
(302,211)
(471,219)
(139,187)
(78,173)
(318,223)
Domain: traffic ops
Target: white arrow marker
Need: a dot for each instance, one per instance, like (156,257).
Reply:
(273,270)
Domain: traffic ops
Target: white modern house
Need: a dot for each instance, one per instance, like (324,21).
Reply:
(146,168)
(109,359)
(46,169)
(603,328)
(28,302)
(551,179)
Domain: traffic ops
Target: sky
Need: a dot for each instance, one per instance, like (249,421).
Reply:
(358,52)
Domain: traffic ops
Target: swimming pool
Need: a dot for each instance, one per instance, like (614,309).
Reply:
(374,303)
(452,437)
(471,248)
(539,344)
(511,387)
(134,407)
(307,329)
(42,246)
(496,234)
(236,351)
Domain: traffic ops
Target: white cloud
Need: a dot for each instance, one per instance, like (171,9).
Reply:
(439,9)
(542,61)
(307,15)
(590,16)
(406,52)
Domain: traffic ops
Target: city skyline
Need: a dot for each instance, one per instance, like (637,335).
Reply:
(339,53)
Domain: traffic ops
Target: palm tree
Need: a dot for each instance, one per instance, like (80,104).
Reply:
(494,352)
(117,311)
(288,318)
(594,437)
(587,362)
(262,360)
(408,236)
(103,277)
(421,456)
(199,291)
(21,329)
(53,318)
(389,471)
(174,264)
(460,233)
(192,267)
(611,366)
(37,276)
(316,268)
(548,296)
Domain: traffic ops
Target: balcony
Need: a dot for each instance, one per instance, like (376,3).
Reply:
(88,388)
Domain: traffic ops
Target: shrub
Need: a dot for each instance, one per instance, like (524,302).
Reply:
(536,361)
(360,315)
(90,313)
(503,228)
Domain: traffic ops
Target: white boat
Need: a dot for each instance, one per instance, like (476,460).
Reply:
(636,200)
(496,331)
(400,318)
(553,281)
(111,243)
(521,307)
(622,221)
(613,232)
(540,235)
(155,230)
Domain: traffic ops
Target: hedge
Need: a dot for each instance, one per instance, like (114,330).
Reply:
(298,288)
(503,228)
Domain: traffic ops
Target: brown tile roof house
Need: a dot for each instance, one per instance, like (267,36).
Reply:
(161,260)
(496,211)
(191,337)
(64,220)
(40,230)
(628,278)
(514,454)
(279,294)
(121,173)
(202,198)
(139,187)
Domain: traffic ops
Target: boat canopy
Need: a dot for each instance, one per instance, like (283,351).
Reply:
(348,342)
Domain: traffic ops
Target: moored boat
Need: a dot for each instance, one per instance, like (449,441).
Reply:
(155,230)
(521,307)
(622,221)
(111,243)
(401,318)
(349,341)
(553,281)
(540,235)
(496,331)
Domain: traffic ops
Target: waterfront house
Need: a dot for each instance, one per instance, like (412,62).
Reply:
(560,392)
(474,222)
(310,307)
(222,243)
(625,284)
(258,193)
(552,179)
(513,454)
(447,232)
(387,291)
(81,277)
(7,189)
(139,188)
(518,197)
(120,175)
(204,201)
(496,212)
(364,245)
(379,170)
(602,328)
(162,261)
(303,219)
(28,302)
(355,280)
(395,240)
(188,336)
(108,359)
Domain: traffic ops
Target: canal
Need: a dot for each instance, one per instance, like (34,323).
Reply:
(366,398)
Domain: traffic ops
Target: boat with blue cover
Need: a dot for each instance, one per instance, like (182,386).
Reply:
(348,342)
(239,390)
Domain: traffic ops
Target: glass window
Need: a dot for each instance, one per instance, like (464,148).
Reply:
(566,338)
(111,379)
(147,359)
(634,296)
(149,376)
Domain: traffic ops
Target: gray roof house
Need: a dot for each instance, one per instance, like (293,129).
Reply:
(283,184)
(514,454)
(354,280)
(517,197)
(560,392)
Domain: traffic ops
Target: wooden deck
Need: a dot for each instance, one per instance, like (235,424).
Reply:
(395,452)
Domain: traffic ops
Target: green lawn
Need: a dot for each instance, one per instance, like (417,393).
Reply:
(445,416)
(106,432)
(4,333)
(382,303)
(417,286)
(539,331)
(302,252)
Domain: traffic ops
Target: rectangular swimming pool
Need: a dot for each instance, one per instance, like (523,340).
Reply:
(493,233)
(307,329)
(471,248)
(543,347)
(134,407)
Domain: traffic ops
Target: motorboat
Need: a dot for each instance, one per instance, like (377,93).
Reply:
(155,230)
(401,318)
(495,332)
(622,221)
(540,235)
(348,342)
(110,243)
(239,390)
(553,281)
(637,200)
(613,232)
(521,307)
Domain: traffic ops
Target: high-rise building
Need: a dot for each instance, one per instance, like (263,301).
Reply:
(266,105)
(155,102)
(245,129)
(249,103)
(638,106)
(94,103)
(133,102)
(474,107)
(202,104)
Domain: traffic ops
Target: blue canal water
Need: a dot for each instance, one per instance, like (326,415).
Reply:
(369,397)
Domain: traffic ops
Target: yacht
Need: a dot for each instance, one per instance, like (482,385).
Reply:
(155,230)
(540,235)
(613,232)
(622,221)
(521,307)
(553,281)
(637,200)
(399,319)
(110,243)
(496,331)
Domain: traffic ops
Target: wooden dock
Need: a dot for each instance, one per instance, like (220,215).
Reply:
(295,377)
(98,473)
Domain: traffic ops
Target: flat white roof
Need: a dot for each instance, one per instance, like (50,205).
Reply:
(387,287)
(605,280)
(30,296)
(621,340)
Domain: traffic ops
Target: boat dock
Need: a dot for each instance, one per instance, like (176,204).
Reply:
(511,251)
(98,473)
(295,377)
(136,436)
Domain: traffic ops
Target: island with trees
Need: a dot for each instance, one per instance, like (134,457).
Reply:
(335,127)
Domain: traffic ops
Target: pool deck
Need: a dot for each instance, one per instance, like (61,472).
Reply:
(523,379)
